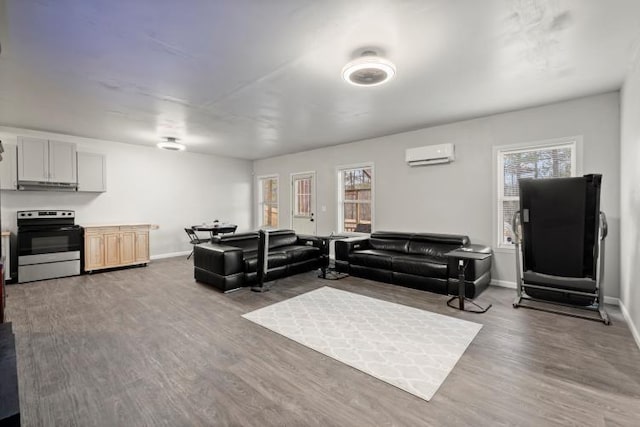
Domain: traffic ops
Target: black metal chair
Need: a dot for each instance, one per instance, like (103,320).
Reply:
(194,239)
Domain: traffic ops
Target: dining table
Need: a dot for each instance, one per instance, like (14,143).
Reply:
(216,228)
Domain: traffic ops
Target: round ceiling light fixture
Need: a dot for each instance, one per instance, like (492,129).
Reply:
(171,144)
(368,70)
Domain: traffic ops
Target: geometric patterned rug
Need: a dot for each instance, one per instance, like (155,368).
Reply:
(409,348)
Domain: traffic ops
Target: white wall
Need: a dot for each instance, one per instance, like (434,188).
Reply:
(144,184)
(630,198)
(459,197)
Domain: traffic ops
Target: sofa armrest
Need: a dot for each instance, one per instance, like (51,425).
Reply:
(315,241)
(220,259)
(345,246)
(309,240)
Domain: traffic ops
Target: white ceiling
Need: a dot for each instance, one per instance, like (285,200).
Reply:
(254,79)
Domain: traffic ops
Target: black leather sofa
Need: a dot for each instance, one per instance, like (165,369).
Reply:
(415,260)
(231,261)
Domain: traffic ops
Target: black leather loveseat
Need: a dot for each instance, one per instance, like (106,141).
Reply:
(416,260)
(231,261)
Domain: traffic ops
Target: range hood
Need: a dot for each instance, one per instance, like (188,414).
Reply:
(47,186)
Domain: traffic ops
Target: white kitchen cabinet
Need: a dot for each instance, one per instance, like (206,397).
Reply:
(41,160)
(62,162)
(33,159)
(92,172)
(9,168)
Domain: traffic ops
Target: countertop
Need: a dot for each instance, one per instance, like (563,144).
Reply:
(123,224)
(6,233)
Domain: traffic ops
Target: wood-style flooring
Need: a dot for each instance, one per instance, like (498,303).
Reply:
(149,346)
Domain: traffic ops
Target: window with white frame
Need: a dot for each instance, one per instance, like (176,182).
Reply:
(355,199)
(268,201)
(542,160)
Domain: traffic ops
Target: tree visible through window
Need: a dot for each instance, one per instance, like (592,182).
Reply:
(268,201)
(551,161)
(355,199)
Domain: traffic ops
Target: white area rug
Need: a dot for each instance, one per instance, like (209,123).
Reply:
(409,348)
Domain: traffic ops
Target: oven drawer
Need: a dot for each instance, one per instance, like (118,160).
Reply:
(33,272)
(46,258)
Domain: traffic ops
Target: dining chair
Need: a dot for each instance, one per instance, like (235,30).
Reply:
(194,239)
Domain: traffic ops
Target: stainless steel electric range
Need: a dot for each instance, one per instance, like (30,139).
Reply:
(49,245)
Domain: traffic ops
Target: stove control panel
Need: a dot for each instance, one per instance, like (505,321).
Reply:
(45,214)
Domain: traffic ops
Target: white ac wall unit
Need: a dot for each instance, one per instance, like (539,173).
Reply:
(430,155)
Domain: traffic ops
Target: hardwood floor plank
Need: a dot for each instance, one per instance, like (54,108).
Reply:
(149,346)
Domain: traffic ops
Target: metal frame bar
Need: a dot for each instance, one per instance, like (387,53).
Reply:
(263,262)
(599,267)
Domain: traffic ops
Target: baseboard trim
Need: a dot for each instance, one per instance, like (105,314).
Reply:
(632,326)
(512,285)
(503,283)
(170,255)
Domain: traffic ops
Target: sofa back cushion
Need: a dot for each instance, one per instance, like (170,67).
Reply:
(396,245)
(248,242)
(436,245)
(430,249)
(282,238)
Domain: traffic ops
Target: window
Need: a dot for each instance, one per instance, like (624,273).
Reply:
(543,160)
(268,201)
(355,197)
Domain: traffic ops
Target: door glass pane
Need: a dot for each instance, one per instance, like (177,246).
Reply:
(302,197)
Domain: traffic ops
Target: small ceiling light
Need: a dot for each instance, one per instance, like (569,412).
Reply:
(171,144)
(368,70)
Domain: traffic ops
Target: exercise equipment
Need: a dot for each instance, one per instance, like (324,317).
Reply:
(559,239)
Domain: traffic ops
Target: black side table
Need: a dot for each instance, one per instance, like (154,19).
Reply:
(327,271)
(463,256)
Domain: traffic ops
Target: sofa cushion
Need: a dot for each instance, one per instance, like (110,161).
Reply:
(428,249)
(420,265)
(275,259)
(282,238)
(372,258)
(298,253)
(396,245)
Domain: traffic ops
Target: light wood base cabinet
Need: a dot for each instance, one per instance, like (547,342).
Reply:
(115,246)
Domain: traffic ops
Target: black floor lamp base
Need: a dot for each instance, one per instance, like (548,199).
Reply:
(479,310)
(261,287)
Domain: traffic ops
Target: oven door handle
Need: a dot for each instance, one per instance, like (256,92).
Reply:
(41,229)
(70,228)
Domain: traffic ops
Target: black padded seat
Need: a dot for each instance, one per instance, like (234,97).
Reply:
(373,258)
(298,253)
(420,265)
(582,284)
(276,259)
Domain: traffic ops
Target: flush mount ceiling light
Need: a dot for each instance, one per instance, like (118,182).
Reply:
(171,144)
(368,70)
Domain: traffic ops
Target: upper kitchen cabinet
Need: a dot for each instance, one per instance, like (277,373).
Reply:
(44,161)
(92,168)
(8,168)
(62,162)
